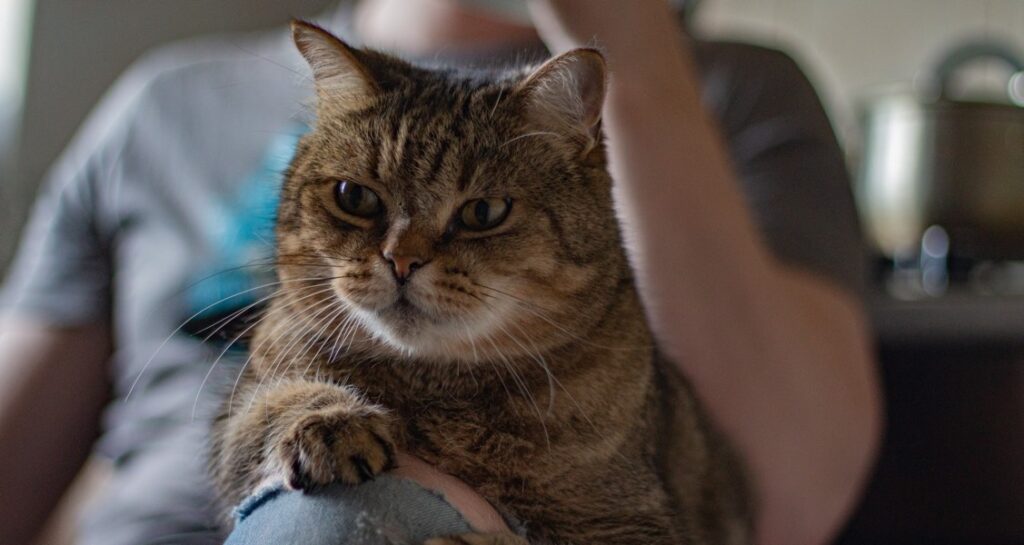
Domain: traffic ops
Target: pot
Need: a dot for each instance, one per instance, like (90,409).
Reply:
(931,160)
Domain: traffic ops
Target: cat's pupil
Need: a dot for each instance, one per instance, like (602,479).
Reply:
(355,195)
(482,212)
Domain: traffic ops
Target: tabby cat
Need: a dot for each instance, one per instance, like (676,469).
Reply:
(455,286)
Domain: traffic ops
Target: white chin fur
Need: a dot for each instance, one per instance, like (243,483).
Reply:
(454,340)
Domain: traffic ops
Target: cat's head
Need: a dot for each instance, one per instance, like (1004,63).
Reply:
(458,215)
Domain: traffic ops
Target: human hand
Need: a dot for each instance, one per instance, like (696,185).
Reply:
(480,514)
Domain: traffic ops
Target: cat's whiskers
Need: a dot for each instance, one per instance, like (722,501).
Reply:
(333,338)
(342,341)
(555,382)
(271,337)
(285,311)
(320,339)
(539,359)
(312,340)
(200,312)
(219,325)
(529,307)
(552,379)
(537,311)
(535,354)
(472,346)
(501,93)
(523,387)
(296,331)
(530,135)
(498,373)
(227,347)
(340,336)
(276,261)
(294,328)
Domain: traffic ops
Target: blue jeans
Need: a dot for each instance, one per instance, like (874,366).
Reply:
(388,510)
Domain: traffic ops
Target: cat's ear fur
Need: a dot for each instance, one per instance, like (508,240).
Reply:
(567,93)
(337,71)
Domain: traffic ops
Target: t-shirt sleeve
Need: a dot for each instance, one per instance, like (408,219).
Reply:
(788,160)
(62,270)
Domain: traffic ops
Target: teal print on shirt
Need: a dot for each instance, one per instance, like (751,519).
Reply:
(226,293)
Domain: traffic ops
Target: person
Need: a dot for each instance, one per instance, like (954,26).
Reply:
(733,197)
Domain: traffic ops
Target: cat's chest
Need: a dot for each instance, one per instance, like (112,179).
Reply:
(481,434)
(500,456)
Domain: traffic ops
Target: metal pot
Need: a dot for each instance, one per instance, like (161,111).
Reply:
(938,161)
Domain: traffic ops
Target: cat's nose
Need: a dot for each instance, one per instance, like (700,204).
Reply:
(403,265)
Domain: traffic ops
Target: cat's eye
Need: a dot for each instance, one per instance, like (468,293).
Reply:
(356,199)
(484,214)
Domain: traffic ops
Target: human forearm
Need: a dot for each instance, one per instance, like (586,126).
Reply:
(52,389)
(749,331)
(807,406)
(780,357)
(675,188)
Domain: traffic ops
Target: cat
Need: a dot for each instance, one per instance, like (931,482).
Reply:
(455,286)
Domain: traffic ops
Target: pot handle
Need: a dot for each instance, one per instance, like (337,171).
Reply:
(968,52)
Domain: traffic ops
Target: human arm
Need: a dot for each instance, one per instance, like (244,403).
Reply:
(55,341)
(480,515)
(780,356)
(52,388)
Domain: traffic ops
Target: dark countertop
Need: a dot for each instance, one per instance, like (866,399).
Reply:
(949,471)
(958,318)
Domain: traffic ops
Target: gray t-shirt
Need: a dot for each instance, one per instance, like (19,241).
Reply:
(171,181)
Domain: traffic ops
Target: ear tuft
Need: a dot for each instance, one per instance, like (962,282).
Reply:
(569,90)
(337,71)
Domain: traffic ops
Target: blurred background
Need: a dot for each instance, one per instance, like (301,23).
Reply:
(926,96)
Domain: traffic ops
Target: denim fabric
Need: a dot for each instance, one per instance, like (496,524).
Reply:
(386,511)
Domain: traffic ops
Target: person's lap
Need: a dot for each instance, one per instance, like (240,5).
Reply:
(159,495)
(386,511)
(162,496)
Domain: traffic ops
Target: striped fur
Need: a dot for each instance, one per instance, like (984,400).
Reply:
(517,359)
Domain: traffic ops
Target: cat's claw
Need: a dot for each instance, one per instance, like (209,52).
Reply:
(478,539)
(331,446)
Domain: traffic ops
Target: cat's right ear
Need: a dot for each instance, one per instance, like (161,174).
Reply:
(567,93)
(337,71)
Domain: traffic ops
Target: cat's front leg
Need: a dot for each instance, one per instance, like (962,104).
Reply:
(349,442)
(479,539)
(300,432)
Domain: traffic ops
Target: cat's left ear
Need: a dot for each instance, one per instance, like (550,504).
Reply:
(337,70)
(567,93)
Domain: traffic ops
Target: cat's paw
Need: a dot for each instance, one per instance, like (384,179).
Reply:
(478,539)
(339,445)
